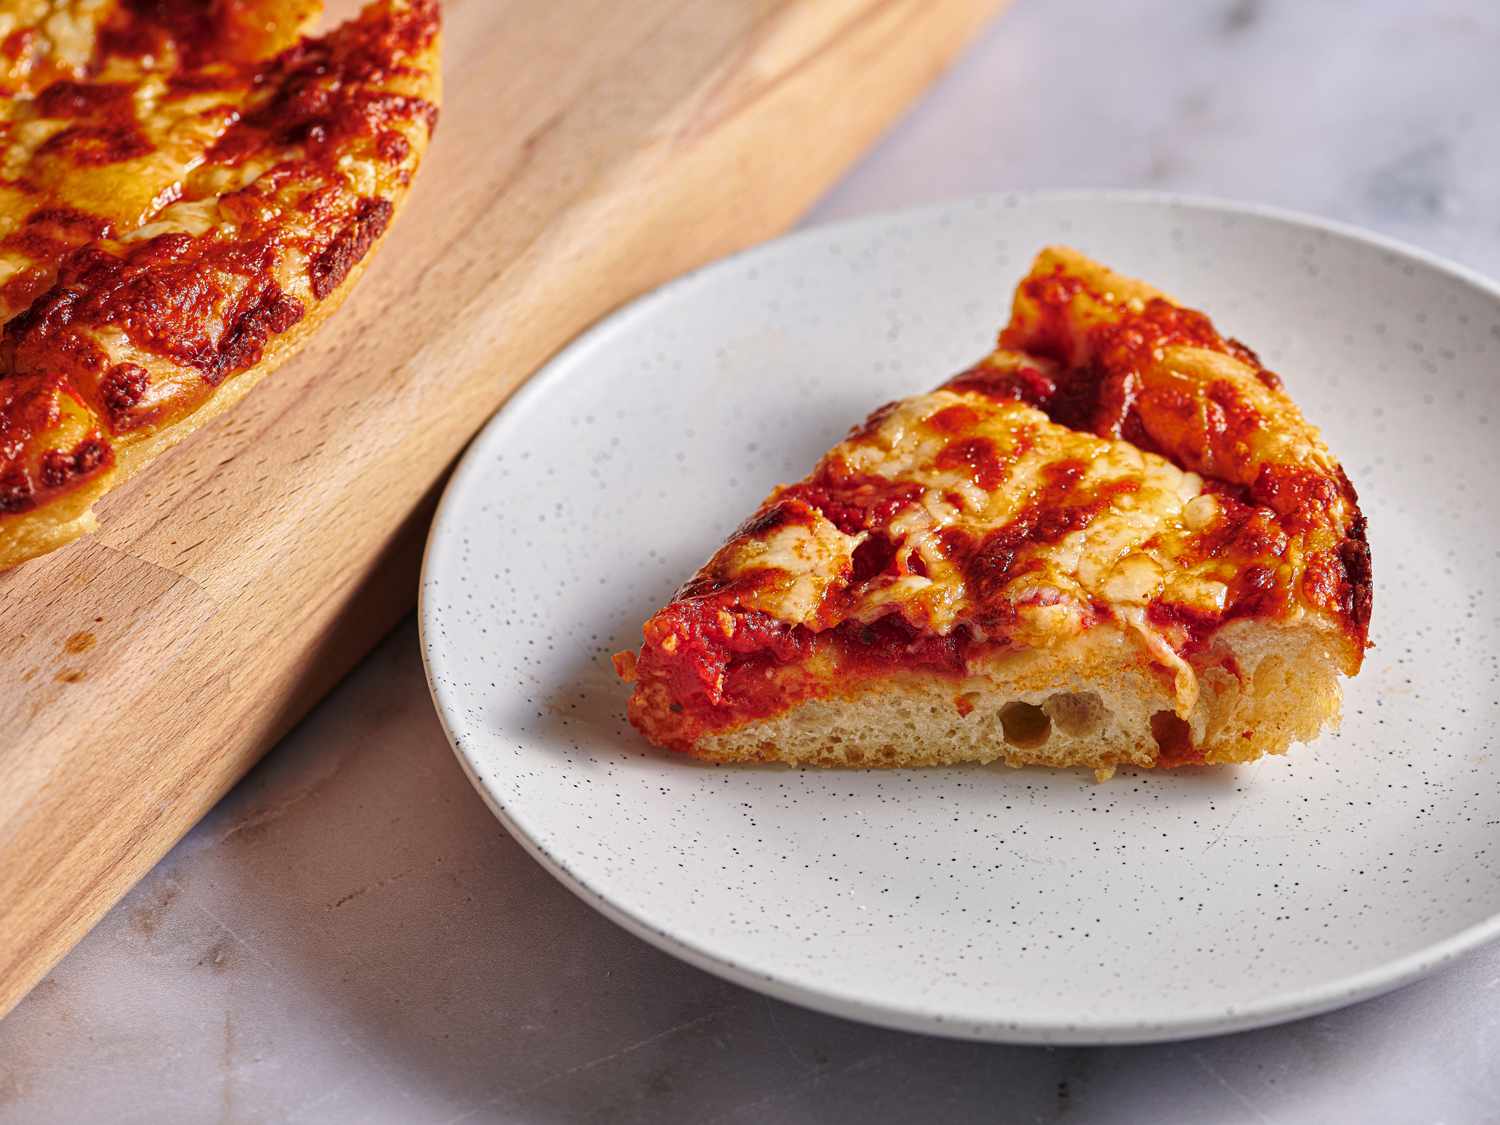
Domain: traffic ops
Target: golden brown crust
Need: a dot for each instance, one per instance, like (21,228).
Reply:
(288,180)
(1116,465)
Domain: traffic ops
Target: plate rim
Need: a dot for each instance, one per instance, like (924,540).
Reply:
(1283,1007)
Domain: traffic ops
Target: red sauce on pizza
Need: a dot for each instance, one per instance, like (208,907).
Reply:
(852,502)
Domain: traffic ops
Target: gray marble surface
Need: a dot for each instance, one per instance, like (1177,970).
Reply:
(351,937)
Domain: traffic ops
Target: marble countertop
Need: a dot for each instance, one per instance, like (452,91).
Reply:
(350,936)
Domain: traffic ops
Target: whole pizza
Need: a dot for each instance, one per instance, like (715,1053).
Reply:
(189,188)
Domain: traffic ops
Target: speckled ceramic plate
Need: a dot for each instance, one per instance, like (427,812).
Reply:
(1002,904)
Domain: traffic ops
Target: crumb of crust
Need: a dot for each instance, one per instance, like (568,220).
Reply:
(624,663)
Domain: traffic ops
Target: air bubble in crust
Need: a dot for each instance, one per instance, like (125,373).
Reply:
(1173,736)
(1026,726)
(1077,714)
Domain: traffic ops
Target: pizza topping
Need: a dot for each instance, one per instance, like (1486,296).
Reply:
(698,647)
(15,492)
(58,468)
(123,388)
(333,264)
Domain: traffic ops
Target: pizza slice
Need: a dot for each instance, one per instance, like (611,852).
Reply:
(174,225)
(1113,541)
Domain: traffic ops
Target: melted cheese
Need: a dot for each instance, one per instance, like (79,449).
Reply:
(1017,475)
(1128,553)
(799,563)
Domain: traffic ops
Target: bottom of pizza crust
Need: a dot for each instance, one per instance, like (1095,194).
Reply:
(1092,704)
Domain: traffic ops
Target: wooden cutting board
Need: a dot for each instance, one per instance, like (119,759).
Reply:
(588,150)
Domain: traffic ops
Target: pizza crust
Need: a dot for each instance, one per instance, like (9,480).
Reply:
(1088,705)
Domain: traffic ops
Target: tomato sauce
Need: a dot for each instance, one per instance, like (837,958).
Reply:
(854,503)
(718,661)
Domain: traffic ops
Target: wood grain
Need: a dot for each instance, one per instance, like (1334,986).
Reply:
(588,150)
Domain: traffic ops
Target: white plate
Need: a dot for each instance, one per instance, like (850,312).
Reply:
(1017,905)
